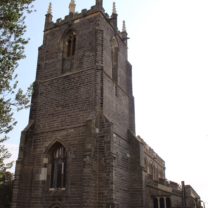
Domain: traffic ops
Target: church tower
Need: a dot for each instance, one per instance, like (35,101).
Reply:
(79,148)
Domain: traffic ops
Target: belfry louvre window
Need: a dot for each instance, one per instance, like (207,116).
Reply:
(114,51)
(58,170)
(71,45)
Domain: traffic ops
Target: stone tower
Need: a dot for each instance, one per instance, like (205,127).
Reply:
(79,148)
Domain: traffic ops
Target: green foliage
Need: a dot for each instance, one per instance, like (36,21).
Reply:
(12,42)
(5,178)
(4,154)
(12,45)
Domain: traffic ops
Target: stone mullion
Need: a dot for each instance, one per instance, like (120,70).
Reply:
(158,202)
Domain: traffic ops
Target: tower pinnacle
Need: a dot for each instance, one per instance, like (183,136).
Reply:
(124,34)
(49,16)
(114,16)
(50,9)
(99,4)
(72,6)
(124,27)
(114,8)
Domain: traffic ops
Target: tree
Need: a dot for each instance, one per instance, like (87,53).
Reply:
(6,183)
(4,154)
(12,44)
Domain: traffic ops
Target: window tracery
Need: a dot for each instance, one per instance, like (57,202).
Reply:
(114,60)
(69,50)
(58,166)
(71,45)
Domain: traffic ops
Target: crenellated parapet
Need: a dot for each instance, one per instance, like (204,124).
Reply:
(74,16)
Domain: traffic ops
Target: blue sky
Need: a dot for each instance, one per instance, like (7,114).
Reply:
(168,48)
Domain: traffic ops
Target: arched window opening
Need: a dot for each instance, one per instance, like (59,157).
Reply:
(71,45)
(69,50)
(114,60)
(58,169)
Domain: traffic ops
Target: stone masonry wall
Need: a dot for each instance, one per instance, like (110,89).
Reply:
(64,101)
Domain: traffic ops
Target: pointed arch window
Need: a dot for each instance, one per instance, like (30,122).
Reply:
(69,50)
(71,45)
(58,168)
(114,52)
